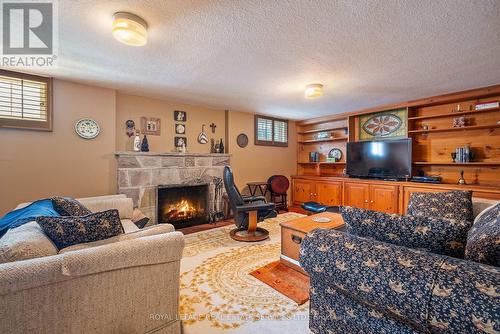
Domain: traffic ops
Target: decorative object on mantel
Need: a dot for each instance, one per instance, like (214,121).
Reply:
(242,140)
(221,146)
(180,142)
(459,122)
(386,124)
(180,116)
(202,137)
(461,180)
(334,155)
(137,142)
(145,144)
(87,128)
(487,105)
(151,126)
(130,125)
(180,129)
(212,145)
(213,126)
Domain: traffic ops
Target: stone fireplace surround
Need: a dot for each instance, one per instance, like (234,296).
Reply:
(139,174)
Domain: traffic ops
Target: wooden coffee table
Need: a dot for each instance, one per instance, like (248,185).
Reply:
(292,233)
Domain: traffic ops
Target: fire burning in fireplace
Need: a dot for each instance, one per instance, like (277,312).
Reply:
(181,210)
(183,205)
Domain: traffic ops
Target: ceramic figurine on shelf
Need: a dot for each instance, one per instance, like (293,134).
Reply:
(137,142)
(145,144)
(461,180)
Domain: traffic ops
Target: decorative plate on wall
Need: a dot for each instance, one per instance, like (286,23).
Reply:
(87,128)
(386,124)
(242,140)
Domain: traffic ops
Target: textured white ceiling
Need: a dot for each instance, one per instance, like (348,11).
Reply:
(258,55)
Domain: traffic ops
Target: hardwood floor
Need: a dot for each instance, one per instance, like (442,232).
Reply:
(204,227)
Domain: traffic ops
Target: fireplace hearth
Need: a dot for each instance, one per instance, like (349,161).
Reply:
(183,205)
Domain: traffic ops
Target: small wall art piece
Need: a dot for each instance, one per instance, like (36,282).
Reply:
(180,116)
(180,129)
(130,125)
(386,124)
(242,140)
(151,126)
(202,137)
(180,142)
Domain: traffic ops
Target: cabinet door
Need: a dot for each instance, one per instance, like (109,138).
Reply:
(302,191)
(356,194)
(329,193)
(384,198)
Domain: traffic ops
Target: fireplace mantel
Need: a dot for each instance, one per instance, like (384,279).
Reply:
(140,173)
(170,154)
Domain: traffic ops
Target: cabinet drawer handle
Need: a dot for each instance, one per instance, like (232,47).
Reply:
(371,202)
(296,239)
(366,201)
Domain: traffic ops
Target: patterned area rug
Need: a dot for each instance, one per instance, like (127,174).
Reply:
(218,294)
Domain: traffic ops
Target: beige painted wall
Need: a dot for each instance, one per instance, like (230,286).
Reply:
(257,163)
(36,164)
(134,107)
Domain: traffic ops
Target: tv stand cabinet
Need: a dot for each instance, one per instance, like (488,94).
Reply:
(385,196)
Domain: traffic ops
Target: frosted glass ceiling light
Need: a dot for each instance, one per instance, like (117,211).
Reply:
(130,29)
(313,90)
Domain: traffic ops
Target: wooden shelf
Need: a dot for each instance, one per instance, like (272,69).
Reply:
(322,163)
(454,114)
(464,128)
(312,141)
(478,163)
(322,130)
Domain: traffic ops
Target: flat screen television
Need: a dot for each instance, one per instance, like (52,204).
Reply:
(388,159)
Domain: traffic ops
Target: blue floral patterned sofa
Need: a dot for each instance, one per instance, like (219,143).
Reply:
(363,285)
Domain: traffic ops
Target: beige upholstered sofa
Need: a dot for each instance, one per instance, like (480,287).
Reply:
(125,284)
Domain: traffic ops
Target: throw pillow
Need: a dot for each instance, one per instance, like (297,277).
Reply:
(67,206)
(483,241)
(67,231)
(455,205)
(436,235)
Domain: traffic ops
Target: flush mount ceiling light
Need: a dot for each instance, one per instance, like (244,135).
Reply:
(130,29)
(313,90)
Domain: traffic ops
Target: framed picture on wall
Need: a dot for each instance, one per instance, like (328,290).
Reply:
(180,116)
(180,142)
(180,129)
(151,126)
